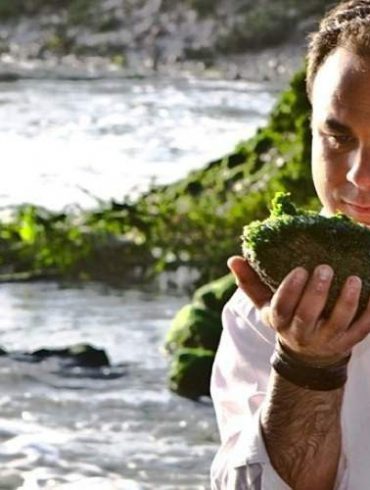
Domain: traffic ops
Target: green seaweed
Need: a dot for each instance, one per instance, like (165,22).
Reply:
(293,237)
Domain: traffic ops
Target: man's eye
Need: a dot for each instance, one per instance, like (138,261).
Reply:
(339,140)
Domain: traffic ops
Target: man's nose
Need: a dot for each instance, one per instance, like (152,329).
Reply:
(359,168)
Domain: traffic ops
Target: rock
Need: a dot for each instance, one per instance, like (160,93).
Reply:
(194,337)
(194,326)
(9,76)
(215,294)
(190,372)
(73,362)
(199,324)
(83,355)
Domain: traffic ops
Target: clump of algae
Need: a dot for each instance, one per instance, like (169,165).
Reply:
(292,237)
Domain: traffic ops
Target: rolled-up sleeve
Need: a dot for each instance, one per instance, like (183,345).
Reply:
(242,463)
(238,387)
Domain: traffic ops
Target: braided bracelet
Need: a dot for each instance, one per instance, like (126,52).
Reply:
(321,378)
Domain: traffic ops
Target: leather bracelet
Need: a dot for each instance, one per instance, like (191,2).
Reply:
(321,378)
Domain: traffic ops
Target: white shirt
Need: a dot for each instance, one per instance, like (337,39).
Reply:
(239,382)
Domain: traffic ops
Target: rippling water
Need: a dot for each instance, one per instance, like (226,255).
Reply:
(69,142)
(66,142)
(127,432)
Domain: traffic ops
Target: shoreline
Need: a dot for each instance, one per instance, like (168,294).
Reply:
(276,65)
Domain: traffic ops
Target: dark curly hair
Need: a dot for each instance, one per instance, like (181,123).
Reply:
(346,25)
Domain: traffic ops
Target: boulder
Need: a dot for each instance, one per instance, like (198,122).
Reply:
(76,361)
(194,337)
(83,355)
(190,372)
(214,295)
(194,326)
(78,355)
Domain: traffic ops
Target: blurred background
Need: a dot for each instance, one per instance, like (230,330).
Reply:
(131,158)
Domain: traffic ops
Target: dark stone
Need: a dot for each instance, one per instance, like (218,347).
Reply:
(83,355)
(9,77)
(74,362)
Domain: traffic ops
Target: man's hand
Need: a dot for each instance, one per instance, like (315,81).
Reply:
(247,280)
(294,311)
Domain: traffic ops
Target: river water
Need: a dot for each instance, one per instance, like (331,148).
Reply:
(67,142)
(127,432)
(75,143)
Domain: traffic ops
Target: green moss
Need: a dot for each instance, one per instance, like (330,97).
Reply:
(195,222)
(292,238)
(215,294)
(194,326)
(190,372)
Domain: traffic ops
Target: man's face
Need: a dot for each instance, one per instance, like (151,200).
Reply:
(341,135)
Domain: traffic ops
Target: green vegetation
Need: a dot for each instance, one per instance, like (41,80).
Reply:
(275,159)
(82,11)
(241,26)
(203,7)
(9,9)
(190,373)
(212,205)
(194,336)
(195,222)
(291,237)
(15,8)
(78,10)
(199,324)
(258,26)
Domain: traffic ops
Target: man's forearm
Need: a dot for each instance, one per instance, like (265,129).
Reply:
(302,433)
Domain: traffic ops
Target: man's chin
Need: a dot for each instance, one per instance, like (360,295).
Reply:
(360,214)
(361,220)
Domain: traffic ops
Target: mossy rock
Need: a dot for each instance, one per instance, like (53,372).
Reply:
(190,372)
(194,326)
(215,294)
(194,337)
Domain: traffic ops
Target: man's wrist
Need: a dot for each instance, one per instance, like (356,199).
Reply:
(308,375)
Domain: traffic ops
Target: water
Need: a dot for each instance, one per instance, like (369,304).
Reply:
(64,143)
(69,142)
(130,431)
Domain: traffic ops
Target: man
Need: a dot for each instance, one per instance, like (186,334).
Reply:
(303,421)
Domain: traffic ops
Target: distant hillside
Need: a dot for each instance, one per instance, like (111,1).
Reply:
(154,31)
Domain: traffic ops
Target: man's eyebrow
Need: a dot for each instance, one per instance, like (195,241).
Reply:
(335,125)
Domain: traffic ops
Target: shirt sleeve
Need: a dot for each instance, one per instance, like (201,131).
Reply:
(238,386)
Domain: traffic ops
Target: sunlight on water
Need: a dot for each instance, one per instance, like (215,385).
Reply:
(67,430)
(75,143)
(65,143)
